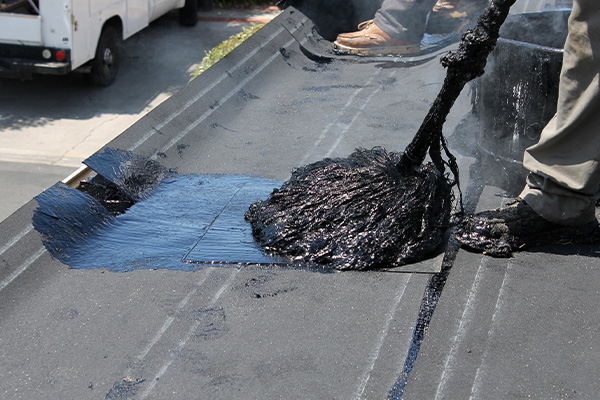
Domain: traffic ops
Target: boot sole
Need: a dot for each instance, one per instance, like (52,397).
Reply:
(375,51)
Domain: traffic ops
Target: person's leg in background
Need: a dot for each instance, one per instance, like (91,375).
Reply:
(399,25)
(397,28)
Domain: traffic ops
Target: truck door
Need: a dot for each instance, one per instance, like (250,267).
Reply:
(80,30)
(161,7)
(137,16)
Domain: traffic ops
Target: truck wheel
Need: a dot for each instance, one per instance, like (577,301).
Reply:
(105,66)
(188,15)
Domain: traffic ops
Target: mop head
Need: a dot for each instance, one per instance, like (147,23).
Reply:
(358,212)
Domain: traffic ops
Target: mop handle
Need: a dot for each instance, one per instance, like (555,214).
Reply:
(463,65)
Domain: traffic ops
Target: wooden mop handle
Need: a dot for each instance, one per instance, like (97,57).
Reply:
(463,65)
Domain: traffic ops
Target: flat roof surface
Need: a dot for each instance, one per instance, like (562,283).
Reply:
(509,328)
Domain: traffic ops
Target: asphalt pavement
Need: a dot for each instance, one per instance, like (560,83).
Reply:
(50,124)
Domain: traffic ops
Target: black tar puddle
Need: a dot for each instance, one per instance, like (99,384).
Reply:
(176,221)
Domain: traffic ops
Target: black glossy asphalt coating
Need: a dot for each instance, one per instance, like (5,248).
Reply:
(133,174)
(178,222)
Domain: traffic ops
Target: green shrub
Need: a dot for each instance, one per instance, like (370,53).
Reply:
(223,48)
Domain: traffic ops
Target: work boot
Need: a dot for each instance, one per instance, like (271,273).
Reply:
(371,40)
(502,231)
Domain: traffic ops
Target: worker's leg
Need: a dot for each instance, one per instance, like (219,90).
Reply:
(399,25)
(559,198)
(404,19)
(564,165)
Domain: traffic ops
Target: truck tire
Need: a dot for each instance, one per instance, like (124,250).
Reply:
(188,15)
(105,66)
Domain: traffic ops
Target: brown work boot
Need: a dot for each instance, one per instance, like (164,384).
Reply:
(371,40)
(502,231)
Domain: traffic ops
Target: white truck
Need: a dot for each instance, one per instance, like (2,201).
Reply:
(60,36)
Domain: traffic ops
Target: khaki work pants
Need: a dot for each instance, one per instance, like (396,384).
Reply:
(564,165)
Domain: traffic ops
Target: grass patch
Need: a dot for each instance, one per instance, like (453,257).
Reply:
(222,49)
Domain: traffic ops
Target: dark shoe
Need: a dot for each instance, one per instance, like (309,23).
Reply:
(371,40)
(502,231)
